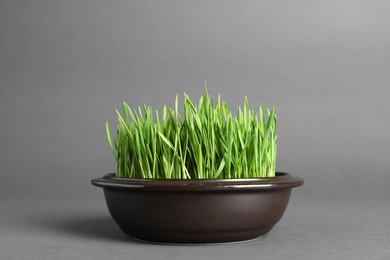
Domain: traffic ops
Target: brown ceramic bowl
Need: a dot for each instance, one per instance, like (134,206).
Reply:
(197,210)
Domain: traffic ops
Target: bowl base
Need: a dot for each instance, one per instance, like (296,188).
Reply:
(163,237)
(197,244)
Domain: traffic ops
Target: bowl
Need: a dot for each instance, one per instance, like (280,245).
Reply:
(197,210)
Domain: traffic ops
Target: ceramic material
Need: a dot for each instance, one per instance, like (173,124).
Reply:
(197,211)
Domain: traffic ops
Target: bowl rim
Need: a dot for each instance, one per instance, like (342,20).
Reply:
(282,180)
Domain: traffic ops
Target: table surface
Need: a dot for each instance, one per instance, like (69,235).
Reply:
(83,229)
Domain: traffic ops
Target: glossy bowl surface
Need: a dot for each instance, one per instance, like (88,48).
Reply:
(197,210)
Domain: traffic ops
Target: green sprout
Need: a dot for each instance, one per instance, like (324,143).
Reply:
(207,143)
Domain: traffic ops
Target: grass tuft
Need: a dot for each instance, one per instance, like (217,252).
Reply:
(208,142)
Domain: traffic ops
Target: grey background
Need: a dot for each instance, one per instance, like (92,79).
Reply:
(65,66)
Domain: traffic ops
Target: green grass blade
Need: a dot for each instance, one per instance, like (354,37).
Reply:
(109,137)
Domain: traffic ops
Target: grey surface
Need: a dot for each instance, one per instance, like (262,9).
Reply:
(310,229)
(66,65)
